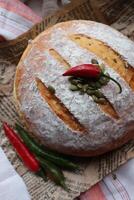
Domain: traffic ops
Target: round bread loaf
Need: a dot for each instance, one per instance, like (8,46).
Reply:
(66,121)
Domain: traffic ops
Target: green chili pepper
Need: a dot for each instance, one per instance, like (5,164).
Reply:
(38,150)
(54,171)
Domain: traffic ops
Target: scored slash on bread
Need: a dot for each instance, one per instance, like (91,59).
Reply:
(108,108)
(59,108)
(57,56)
(58,48)
(112,58)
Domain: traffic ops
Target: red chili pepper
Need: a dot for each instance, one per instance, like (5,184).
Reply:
(27,157)
(89,71)
(85,70)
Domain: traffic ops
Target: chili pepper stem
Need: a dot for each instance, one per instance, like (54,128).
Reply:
(114,81)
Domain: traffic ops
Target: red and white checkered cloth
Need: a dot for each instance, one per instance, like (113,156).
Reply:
(15,19)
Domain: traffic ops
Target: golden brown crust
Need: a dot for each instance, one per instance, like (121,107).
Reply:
(82,153)
(129,76)
(108,147)
(112,58)
(18,75)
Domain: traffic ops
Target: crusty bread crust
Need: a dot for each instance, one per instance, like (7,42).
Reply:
(106,114)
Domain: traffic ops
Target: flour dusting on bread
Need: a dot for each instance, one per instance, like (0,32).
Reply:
(103,132)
